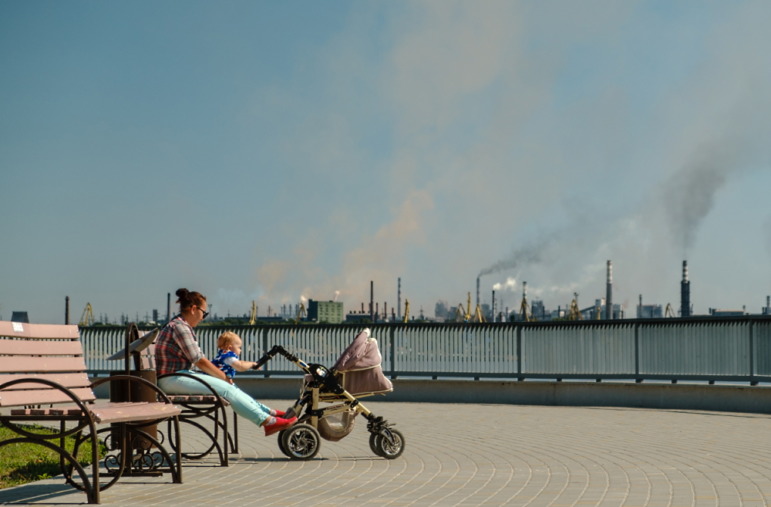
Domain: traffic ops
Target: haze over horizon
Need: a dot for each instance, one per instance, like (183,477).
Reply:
(275,151)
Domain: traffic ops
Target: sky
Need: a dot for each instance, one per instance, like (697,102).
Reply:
(282,151)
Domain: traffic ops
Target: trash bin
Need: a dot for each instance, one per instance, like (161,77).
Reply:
(123,390)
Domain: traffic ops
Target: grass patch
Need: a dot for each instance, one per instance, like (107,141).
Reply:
(23,463)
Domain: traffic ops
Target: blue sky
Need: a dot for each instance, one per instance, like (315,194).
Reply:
(280,151)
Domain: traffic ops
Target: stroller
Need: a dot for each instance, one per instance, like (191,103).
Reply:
(357,373)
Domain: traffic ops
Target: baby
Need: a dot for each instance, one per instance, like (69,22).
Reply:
(229,361)
(228,355)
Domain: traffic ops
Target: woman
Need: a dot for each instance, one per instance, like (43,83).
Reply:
(177,350)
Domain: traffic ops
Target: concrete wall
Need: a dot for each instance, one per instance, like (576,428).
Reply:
(724,398)
(756,399)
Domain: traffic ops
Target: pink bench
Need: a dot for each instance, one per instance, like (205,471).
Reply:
(44,381)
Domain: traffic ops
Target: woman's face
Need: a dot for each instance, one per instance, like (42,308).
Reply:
(197,314)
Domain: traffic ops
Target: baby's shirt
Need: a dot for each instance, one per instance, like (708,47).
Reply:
(224,361)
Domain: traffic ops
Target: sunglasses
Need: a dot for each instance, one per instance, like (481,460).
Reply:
(205,314)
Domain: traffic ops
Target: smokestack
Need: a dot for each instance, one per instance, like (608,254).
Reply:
(493,309)
(609,294)
(371,301)
(66,309)
(477,291)
(685,293)
(399,297)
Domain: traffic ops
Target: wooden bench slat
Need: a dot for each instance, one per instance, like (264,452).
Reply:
(65,379)
(36,331)
(70,411)
(195,398)
(129,412)
(42,397)
(22,364)
(29,347)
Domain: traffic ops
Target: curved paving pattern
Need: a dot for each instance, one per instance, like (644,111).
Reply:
(458,454)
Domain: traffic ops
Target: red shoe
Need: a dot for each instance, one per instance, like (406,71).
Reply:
(279,413)
(278,425)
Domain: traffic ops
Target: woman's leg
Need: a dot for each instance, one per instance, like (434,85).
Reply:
(243,404)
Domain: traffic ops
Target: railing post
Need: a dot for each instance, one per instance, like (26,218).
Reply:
(392,350)
(265,348)
(519,352)
(753,382)
(637,378)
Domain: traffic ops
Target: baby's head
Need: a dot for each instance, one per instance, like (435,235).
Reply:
(229,341)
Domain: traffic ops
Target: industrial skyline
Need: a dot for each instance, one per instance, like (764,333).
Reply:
(275,151)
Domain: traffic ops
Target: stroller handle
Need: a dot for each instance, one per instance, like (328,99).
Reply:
(278,349)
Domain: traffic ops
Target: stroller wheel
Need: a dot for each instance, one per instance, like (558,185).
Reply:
(281,445)
(300,442)
(388,444)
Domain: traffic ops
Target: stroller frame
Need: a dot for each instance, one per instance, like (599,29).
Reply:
(302,440)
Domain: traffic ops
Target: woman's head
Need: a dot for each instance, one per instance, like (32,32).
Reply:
(192,306)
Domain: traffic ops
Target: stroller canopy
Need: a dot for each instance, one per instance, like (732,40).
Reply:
(360,367)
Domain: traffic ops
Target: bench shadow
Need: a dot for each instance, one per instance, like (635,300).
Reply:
(42,493)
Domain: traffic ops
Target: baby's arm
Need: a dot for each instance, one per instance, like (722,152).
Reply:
(240,365)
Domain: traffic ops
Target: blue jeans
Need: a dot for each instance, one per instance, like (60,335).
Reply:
(243,404)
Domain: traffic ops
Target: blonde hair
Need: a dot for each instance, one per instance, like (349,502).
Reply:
(227,338)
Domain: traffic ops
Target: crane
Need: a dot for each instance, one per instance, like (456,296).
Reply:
(301,314)
(524,307)
(574,313)
(478,316)
(87,318)
(253,314)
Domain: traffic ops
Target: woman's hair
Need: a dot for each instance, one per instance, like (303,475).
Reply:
(227,338)
(186,299)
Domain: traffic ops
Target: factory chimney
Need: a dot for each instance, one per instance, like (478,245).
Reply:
(609,293)
(371,301)
(477,292)
(493,306)
(685,293)
(66,309)
(399,297)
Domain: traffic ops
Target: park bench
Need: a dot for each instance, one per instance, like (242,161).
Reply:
(44,382)
(206,412)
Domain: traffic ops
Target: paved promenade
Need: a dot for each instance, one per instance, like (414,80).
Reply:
(459,454)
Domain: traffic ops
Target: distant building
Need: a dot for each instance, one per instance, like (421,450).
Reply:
(330,312)
(538,310)
(20,317)
(726,313)
(358,318)
(649,312)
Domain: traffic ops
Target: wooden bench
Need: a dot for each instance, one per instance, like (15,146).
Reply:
(44,381)
(206,412)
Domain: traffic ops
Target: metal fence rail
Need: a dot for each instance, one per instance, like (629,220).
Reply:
(735,349)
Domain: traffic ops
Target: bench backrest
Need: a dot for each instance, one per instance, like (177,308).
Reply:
(41,351)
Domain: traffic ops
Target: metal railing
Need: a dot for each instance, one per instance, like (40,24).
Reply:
(703,349)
